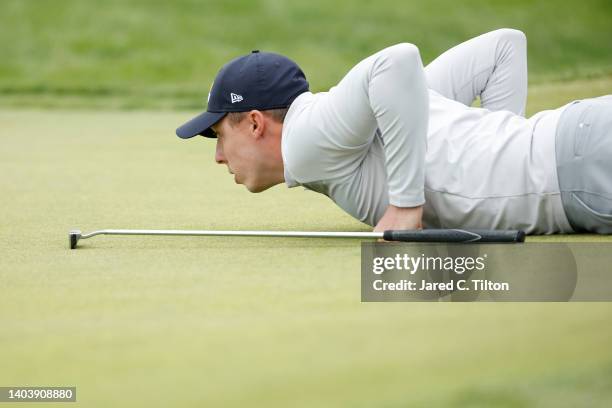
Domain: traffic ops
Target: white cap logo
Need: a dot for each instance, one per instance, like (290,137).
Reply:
(236,98)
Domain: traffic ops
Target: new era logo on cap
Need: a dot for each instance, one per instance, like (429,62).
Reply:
(235,97)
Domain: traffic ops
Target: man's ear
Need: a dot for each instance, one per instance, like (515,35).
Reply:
(256,123)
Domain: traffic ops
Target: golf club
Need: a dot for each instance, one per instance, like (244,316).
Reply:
(427,235)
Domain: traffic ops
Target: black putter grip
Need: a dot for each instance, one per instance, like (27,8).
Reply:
(454,235)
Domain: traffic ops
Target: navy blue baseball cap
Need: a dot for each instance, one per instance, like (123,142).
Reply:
(259,80)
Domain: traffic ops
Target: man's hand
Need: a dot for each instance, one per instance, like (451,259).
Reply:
(398,218)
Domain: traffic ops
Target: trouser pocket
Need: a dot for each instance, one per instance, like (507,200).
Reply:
(602,210)
(592,212)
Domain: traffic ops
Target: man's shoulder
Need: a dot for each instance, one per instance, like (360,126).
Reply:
(318,142)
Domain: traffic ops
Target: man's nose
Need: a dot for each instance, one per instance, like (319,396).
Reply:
(219,158)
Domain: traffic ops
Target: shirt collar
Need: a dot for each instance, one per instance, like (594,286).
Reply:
(289,179)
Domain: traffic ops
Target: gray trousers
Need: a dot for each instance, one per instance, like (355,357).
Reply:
(583,147)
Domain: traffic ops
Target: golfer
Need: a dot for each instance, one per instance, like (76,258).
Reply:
(398,146)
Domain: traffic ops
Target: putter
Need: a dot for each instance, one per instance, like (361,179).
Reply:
(427,235)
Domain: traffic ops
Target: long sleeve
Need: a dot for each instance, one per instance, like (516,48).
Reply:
(331,134)
(492,66)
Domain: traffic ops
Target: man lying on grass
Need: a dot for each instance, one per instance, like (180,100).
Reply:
(399,146)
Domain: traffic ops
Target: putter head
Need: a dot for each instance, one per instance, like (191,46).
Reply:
(73,238)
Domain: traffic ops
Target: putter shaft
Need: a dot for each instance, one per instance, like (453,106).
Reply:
(431,235)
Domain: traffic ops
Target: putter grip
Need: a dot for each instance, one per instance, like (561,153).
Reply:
(454,235)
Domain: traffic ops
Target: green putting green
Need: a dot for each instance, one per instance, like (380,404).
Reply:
(194,321)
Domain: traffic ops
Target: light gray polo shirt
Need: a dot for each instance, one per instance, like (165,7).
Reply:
(365,147)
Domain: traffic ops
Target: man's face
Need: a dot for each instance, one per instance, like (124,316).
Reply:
(243,152)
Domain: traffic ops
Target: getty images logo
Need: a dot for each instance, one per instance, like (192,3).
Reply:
(236,97)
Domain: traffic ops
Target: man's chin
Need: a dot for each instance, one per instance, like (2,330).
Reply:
(256,189)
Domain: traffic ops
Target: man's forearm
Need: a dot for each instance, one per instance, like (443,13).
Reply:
(399,98)
(492,66)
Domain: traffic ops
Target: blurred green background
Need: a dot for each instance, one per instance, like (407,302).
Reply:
(164,54)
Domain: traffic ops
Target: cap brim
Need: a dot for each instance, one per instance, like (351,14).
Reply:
(200,125)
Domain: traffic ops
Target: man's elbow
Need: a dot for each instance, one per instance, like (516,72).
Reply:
(402,56)
(405,52)
(511,34)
